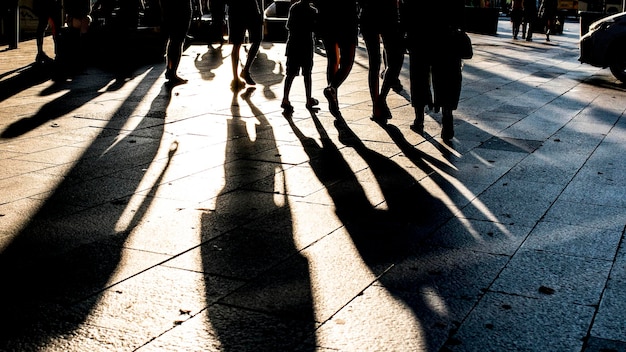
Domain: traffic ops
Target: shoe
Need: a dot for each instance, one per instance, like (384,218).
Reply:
(447,130)
(312,103)
(287,106)
(382,115)
(418,123)
(42,58)
(246,77)
(333,105)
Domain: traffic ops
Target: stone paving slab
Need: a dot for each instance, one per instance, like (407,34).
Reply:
(137,217)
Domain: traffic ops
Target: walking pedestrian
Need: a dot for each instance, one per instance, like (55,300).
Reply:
(547,13)
(49,14)
(299,50)
(435,64)
(379,19)
(530,17)
(244,15)
(176,21)
(338,28)
(517,16)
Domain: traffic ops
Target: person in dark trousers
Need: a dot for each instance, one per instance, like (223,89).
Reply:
(517,16)
(49,13)
(547,13)
(435,64)
(299,50)
(176,21)
(378,20)
(244,15)
(530,17)
(338,28)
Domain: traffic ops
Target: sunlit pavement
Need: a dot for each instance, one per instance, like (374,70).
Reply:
(138,217)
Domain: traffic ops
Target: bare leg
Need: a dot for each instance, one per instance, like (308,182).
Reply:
(245,72)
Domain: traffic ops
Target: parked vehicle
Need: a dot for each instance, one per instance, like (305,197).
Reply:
(605,45)
(275,20)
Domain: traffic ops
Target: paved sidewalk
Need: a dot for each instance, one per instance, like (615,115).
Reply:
(138,217)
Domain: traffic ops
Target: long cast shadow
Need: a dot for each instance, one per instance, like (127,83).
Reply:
(22,79)
(384,234)
(273,308)
(69,250)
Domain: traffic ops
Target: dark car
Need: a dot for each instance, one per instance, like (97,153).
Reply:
(605,45)
(275,20)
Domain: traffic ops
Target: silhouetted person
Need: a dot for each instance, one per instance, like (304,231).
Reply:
(517,16)
(530,17)
(49,15)
(379,20)
(217,9)
(244,15)
(338,28)
(435,64)
(176,21)
(547,13)
(299,50)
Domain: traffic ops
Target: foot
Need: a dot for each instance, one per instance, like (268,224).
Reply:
(42,58)
(447,130)
(312,103)
(381,112)
(245,75)
(333,104)
(286,105)
(418,123)
(174,79)
(237,85)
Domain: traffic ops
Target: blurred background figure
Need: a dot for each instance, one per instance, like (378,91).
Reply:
(547,14)
(530,17)
(517,15)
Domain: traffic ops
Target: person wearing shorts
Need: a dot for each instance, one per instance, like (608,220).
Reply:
(299,50)
(244,15)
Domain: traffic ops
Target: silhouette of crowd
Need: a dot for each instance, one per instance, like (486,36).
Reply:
(426,30)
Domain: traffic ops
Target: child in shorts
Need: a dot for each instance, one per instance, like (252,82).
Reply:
(299,51)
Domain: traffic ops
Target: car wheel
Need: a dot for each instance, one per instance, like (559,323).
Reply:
(618,68)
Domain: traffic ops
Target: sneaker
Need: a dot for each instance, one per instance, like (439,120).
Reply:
(331,95)
(312,103)
(286,106)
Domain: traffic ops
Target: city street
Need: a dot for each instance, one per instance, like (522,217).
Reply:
(135,216)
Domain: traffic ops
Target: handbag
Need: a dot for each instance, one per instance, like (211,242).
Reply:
(463,45)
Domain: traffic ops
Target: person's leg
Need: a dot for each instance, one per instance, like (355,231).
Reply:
(42,24)
(286,104)
(173,55)
(308,88)
(332,59)
(395,59)
(346,61)
(372,44)
(245,72)
(332,67)
(419,76)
